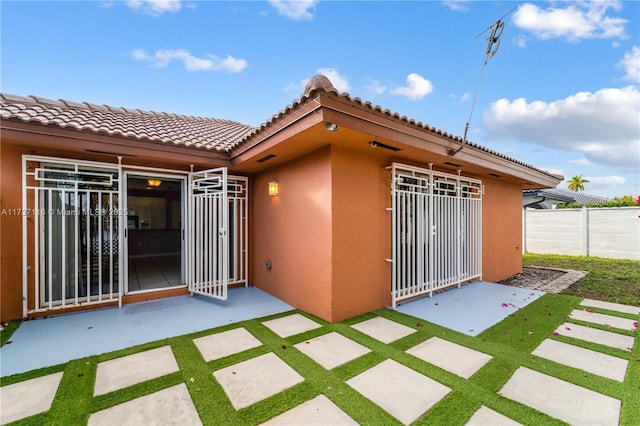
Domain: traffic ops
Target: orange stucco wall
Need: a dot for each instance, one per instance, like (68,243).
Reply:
(293,232)
(10,233)
(501,231)
(361,277)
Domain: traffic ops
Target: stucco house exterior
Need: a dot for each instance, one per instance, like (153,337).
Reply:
(333,205)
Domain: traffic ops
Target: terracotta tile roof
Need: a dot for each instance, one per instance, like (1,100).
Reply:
(320,84)
(180,130)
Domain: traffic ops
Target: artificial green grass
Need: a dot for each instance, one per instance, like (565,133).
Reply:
(7,331)
(509,342)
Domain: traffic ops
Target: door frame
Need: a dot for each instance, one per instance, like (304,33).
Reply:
(149,173)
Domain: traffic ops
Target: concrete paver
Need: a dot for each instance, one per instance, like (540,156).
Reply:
(253,380)
(450,356)
(587,360)
(319,411)
(131,369)
(562,400)
(602,319)
(626,309)
(402,392)
(332,349)
(594,335)
(171,406)
(220,345)
(291,325)
(28,398)
(383,329)
(486,416)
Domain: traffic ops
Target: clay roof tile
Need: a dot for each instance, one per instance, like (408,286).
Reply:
(214,134)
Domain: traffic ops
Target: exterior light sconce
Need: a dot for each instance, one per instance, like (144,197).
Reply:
(274,188)
(154,182)
(331,127)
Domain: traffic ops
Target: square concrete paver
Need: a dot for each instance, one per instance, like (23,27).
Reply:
(319,411)
(383,329)
(627,309)
(402,392)
(603,319)
(227,343)
(28,398)
(332,349)
(562,400)
(131,369)
(291,325)
(253,380)
(171,406)
(449,356)
(594,335)
(486,416)
(587,360)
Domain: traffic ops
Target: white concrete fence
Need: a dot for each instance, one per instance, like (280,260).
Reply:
(600,232)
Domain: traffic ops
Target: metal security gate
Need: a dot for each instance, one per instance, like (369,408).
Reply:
(70,231)
(436,231)
(217,249)
(237,197)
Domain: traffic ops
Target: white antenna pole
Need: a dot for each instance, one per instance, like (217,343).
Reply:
(493,44)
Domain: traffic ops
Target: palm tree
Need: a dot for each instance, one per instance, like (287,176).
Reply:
(576,183)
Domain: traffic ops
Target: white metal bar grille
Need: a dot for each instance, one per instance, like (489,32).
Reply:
(208,257)
(436,231)
(237,194)
(71,214)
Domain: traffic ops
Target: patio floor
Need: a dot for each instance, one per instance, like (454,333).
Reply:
(472,308)
(49,341)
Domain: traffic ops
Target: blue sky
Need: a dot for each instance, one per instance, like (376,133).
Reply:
(562,92)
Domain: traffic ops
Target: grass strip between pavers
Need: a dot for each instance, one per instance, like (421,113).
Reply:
(509,342)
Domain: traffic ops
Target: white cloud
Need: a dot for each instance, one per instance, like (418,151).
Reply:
(162,58)
(457,5)
(581,162)
(374,87)
(339,81)
(140,55)
(599,183)
(603,126)
(154,7)
(520,41)
(298,10)
(576,21)
(631,65)
(417,87)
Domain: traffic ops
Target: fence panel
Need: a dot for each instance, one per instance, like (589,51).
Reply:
(600,232)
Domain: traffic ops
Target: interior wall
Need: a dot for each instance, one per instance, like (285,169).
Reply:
(361,241)
(501,231)
(292,231)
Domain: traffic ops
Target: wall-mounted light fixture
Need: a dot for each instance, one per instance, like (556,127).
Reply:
(273,188)
(154,182)
(331,127)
